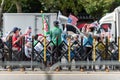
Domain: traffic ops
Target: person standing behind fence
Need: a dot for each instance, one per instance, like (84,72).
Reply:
(88,42)
(16,39)
(55,35)
(28,37)
(64,34)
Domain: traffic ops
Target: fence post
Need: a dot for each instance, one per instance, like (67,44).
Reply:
(106,50)
(45,49)
(22,50)
(119,48)
(69,57)
(94,49)
(32,53)
(106,55)
(10,49)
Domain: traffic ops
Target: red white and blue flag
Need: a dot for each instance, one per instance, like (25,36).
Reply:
(72,19)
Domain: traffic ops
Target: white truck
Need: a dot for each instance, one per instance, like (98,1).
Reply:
(112,20)
(24,20)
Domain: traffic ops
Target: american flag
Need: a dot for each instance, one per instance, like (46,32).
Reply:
(72,19)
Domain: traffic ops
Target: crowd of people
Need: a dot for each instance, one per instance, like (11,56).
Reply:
(57,36)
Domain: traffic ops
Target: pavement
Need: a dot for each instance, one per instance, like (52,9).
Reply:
(59,75)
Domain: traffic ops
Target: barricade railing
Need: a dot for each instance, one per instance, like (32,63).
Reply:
(73,50)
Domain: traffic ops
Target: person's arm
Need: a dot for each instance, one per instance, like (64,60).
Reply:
(16,40)
(65,29)
(84,28)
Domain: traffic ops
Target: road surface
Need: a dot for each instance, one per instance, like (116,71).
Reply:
(62,75)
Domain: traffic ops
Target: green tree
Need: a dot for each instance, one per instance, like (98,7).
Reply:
(115,4)
(97,8)
(6,5)
(18,5)
(12,6)
(31,6)
(1,11)
(66,6)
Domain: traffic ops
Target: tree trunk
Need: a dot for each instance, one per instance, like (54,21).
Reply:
(18,6)
(0,17)
(1,13)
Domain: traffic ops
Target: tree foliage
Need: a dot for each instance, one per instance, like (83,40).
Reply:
(115,4)
(66,6)
(31,6)
(97,8)
(25,6)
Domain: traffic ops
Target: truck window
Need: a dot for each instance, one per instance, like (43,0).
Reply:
(106,27)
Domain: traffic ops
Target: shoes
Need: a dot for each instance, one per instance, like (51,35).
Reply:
(58,69)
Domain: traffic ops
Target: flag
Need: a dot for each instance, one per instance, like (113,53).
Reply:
(59,13)
(72,19)
(46,28)
(58,19)
(94,24)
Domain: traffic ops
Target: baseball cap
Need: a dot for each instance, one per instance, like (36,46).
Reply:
(55,23)
(15,29)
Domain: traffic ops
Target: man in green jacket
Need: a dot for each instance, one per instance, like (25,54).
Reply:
(55,35)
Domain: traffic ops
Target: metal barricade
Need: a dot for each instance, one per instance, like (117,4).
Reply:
(102,51)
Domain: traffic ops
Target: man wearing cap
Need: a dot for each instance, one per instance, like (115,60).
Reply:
(55,35)
(16,43)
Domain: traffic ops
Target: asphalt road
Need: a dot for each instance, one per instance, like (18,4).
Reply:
(62,75)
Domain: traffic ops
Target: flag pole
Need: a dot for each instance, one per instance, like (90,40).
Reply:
(45,49)
(42,21)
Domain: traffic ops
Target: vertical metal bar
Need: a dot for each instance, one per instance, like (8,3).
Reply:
(106,50)
(119,47)
(22,50)
(94,49)
(108,40)
(10,49)
(82,48)
(69,58)
(45,49)
(32,52)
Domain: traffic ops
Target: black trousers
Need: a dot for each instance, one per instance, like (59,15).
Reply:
(88,53)
(56,53)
